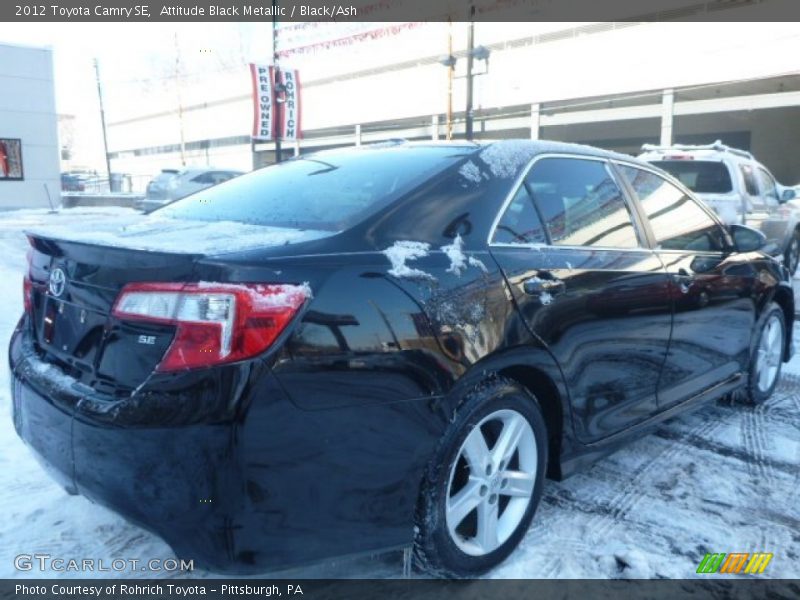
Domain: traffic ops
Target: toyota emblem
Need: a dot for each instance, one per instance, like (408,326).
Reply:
(58,281)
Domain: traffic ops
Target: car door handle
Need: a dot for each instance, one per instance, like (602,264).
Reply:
(684,279)
(536,286)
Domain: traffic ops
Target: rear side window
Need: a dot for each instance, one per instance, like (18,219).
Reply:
(520,223)
(678,222)
(700,176)
(204,178)
(581,204)
(749,180)
(328,191)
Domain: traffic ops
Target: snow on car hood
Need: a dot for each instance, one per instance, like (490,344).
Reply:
(178,236)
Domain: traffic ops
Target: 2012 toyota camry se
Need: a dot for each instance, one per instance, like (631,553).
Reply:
(374,347)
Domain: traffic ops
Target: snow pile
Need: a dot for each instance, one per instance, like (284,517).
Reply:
(544,297)
(266,296)
(55,376)
(182,236)
(505,159)
(401,252)
(458,260)
(471,172)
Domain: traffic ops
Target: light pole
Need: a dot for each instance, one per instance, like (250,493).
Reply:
(449,61)
(103,121)
(470,50)
(278,86)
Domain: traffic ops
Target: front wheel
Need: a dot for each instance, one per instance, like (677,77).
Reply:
(483,483)
(767,356)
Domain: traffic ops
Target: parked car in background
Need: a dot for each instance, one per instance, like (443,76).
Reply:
(739,189)
(369,348)
(172,185)
(72,183)
(156,191)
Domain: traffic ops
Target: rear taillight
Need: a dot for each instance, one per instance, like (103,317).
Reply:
(215,323)
(27,285)
(27,288)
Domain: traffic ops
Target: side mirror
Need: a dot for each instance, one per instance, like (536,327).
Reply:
(788,194)
(747,239)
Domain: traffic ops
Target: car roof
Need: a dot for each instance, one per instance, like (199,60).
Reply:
(516,152)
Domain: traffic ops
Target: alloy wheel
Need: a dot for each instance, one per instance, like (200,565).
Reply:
(770,348)
(491,482)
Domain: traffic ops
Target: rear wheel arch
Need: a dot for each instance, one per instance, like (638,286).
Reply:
(784,297)
(546,393)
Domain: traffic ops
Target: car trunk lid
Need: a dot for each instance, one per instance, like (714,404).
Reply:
(74,289)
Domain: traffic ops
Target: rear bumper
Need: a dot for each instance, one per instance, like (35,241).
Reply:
(181,482)
(226,468)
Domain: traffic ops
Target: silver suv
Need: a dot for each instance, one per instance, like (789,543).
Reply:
(739,188)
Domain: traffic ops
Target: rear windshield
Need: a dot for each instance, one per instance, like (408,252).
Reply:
(700,176)
(328,191)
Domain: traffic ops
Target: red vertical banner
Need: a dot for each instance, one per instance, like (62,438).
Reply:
(263,78)
(289,125)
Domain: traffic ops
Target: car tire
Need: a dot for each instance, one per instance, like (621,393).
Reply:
(791,256)
(766,356)
(501,479)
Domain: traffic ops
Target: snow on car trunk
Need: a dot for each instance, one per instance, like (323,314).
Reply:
(181,236)
(93,264)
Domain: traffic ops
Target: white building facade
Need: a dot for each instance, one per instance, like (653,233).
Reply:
(615,85)
(29,150)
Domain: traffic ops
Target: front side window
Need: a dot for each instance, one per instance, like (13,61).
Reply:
(581,204)
(767,184)
(677,220)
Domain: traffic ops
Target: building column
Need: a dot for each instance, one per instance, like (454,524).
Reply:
(667,115)
(535,121)
(358,135)
(297,147)
(435,127)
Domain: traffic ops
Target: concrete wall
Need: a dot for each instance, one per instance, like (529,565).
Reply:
(28,112)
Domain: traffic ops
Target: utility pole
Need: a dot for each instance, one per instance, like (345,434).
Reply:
(470,49)
(103,120)
(180,100)
(450,72)
(277,82)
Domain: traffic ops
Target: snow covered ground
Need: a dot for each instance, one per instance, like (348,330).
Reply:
(724,479)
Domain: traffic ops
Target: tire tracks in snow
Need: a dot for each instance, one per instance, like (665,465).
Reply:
(752,437)
(599,527)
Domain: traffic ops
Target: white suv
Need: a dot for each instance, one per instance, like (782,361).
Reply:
(739,189)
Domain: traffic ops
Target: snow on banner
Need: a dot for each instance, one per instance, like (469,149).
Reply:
(263,77)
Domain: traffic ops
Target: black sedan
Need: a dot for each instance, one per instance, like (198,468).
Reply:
(375,347)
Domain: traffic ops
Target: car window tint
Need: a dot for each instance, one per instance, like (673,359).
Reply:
(328,191)
(520,223)
(581,204)
(678,222)
(749,180)
(700,176)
